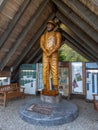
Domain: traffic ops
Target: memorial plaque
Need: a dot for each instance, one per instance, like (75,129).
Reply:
(42,109)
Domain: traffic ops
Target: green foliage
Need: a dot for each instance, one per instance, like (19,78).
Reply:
(68,54)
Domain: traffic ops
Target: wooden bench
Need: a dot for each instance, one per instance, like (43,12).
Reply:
(10,91)
(95,97)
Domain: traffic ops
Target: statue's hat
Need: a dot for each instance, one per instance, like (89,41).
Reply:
(51,21)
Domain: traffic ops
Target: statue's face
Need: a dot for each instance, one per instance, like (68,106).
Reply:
(50,27)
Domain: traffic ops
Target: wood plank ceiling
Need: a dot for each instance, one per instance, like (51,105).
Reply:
(23,21)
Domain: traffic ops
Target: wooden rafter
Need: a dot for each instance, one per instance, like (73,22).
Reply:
(13,23)
(78,31)
(78,50)
(33,41)
(82,44)
(38,58)
(3,4)
(32,56)
(92,33)
(79,47)
(23,34)
(83,12)
(16,76)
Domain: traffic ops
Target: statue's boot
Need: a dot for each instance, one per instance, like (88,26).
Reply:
(55,87)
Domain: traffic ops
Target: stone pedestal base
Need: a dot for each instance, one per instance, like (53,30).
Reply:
(37,112)
(49,93)
(51,99)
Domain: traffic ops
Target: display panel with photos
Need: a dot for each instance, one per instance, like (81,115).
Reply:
(91,79)
(4,81)
(77,78)
(28,78)
(40,80)
(63,81)
(91,83)
(92,65)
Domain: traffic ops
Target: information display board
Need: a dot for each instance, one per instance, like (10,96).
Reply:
(4,81)
(40,81)
(91,79)
(77,78)
(63,81)
(91,83)
(28,78)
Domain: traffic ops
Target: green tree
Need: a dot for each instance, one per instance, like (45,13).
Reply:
(68,54)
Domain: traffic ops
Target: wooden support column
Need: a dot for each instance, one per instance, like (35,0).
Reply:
(92,34)
(12,24)
(33,41)
(78,32)
(23,34)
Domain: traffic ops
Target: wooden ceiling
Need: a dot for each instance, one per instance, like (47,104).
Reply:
(23,21)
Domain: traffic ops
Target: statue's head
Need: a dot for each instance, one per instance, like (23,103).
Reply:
(50,25)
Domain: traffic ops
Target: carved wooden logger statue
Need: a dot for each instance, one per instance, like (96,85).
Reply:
(49,43)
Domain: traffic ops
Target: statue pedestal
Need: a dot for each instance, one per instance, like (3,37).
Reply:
(38,112)
(51,99)
(49,93)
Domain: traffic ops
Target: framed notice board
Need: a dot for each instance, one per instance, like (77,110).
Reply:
(64,78)
(91,79)
(77,78)
(28,78)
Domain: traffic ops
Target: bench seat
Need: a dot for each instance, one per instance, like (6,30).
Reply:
(10,91)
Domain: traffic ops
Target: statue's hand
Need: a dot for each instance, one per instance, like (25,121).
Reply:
(48,54)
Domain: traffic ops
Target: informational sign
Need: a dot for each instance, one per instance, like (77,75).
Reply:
(40,80)
(4,81)
(63,81)
(77,78)
(91,83)
(28,78)
(92,65)
(39,108)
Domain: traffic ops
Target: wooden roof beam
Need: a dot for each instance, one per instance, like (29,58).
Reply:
(91,4)
(13,23)
(67,31)
(3,4)
(78,50)
(37,59)
(33,41)
(79,46)
(92,33)
(23,34)
(16,77)
(33,55)
(83,12)
(77,31)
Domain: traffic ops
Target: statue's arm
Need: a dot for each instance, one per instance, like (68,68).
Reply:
(42,44)
(58,43)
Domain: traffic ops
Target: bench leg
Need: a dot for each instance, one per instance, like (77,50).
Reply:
(22,95)
(4,104)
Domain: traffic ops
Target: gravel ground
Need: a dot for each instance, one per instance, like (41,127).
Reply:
(10,120)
